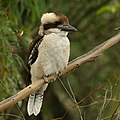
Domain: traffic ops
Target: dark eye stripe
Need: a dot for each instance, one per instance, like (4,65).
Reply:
(51,25)
(48,26)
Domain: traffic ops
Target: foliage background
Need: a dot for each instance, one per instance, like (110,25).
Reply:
(96,21)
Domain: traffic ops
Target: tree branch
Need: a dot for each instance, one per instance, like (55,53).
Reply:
(90,56)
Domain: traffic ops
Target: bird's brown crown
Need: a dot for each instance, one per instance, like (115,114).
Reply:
(55,17)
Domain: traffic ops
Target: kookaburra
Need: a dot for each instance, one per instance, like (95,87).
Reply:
(48,54)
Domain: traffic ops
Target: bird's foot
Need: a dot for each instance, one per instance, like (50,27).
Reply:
(53,80)
(46,79)
(58,73)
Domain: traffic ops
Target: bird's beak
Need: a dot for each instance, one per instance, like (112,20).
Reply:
(67,28)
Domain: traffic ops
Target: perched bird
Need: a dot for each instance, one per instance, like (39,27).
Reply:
(48,54)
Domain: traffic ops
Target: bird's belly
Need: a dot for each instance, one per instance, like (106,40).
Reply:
(56,54)
(55,64)
(53,57)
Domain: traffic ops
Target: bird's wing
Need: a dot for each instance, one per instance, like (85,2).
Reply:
(33,49)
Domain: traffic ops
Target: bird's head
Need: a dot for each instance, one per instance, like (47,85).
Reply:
(55,23)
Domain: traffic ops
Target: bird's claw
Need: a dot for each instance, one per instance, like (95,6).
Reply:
(45,79)
(58,73)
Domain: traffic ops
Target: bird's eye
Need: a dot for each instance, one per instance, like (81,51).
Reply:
(57,23)
(51,25)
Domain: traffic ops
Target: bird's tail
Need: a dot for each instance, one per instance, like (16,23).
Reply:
(35,101)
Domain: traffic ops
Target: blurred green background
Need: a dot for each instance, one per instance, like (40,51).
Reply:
(96,21)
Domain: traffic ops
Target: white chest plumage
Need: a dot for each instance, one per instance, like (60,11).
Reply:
(53,56)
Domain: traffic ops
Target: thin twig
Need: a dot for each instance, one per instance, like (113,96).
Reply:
(98,88)
(20,112)
(91,104)
(66,89)
(103,106)
(118,105)
(89,95)
(71,96)
(12,115)
(80,113)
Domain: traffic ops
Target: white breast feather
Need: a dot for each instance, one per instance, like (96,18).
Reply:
(53,56)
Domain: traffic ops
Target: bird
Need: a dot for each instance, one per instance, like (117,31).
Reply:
(48,54)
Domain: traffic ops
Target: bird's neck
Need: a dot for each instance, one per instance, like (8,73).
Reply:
(57,32)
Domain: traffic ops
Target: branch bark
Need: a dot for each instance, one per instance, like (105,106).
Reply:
(88,57)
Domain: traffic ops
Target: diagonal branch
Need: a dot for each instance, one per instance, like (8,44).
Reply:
(90,56)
